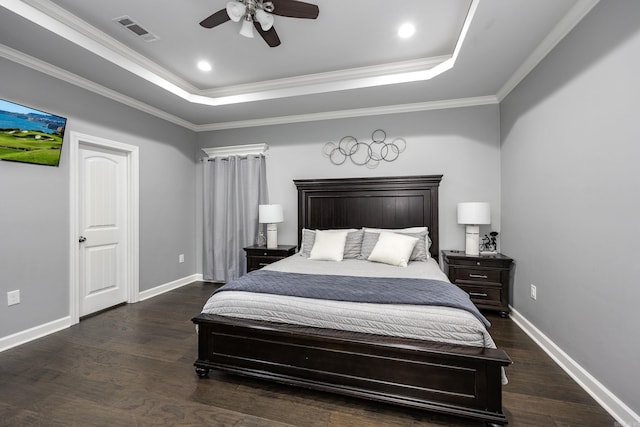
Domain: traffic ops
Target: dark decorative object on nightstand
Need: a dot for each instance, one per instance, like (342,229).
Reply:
(486,278)
(259,256)
(489,244)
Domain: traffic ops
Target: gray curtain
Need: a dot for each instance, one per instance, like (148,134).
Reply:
(233,188)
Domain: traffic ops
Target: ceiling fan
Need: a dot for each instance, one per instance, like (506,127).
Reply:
(259,14)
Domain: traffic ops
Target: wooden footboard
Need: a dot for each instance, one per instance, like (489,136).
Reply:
(457,380)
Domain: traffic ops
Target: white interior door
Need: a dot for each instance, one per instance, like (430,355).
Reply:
(103,257)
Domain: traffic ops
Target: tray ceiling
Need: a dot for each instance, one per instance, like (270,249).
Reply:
(348,61)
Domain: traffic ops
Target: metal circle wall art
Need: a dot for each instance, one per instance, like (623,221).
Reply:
(362,153)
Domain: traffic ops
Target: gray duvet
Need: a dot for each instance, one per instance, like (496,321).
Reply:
(377,290)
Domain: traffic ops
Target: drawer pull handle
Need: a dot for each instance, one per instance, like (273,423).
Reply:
(478,276)
(262,264)
(266,253)
(478,294)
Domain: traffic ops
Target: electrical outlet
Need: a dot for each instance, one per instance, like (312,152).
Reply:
(181,258)
(13,297)
(534,291)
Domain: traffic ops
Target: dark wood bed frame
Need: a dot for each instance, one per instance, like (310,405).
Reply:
(452,379)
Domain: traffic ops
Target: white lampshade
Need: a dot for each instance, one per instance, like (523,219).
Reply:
(236,10)
(270,214)
(247,28)
(265,19)
(474,213)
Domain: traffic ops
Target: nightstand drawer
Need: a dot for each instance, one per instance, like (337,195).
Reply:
(477,275)
(487,262)
(260,256)
(263,253)
(257,262)
(483,295)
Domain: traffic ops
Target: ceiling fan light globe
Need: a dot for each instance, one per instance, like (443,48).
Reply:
(236,10)
(247,28)
(265,19)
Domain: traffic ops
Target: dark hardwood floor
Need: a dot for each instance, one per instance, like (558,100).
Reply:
(132,366)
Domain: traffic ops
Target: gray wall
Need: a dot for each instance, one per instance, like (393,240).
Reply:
(462,144)
(571,195)
(34,200)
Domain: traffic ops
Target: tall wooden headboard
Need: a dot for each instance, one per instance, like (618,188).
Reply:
(387,202)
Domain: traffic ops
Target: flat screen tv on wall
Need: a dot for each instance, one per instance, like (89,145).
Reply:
(30,136)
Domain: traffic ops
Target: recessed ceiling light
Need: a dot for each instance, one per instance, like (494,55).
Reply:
(204,66)
(406,30)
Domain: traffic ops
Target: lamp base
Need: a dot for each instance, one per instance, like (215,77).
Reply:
(472,237)
(272,236)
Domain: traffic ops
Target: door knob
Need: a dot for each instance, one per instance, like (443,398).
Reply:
(82,239)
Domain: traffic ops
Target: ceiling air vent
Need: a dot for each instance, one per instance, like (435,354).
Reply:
(136,28)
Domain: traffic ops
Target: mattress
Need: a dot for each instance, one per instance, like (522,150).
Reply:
(438,324)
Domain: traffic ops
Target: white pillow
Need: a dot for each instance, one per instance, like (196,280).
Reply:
(420,252)
(393,248)
(328,246)
(309,236)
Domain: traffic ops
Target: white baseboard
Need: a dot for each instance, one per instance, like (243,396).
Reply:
(614,406)
(34,333)
(40,331)
(159,290)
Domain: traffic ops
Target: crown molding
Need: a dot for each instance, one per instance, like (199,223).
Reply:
(76,26)
(64,75)
(566,24)
(61,74)
(329,77)
(573,17)
(359,112)
(66,25)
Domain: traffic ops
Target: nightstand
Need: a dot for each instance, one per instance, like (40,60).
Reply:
(486,278)
(259,256)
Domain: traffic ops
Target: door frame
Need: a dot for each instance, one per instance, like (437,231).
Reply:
(78,139)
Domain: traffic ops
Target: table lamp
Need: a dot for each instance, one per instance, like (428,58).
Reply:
(270,215)
(472,214)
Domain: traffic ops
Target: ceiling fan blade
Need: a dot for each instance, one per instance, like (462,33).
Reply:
(220,17)
(270,36)
(295,9)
